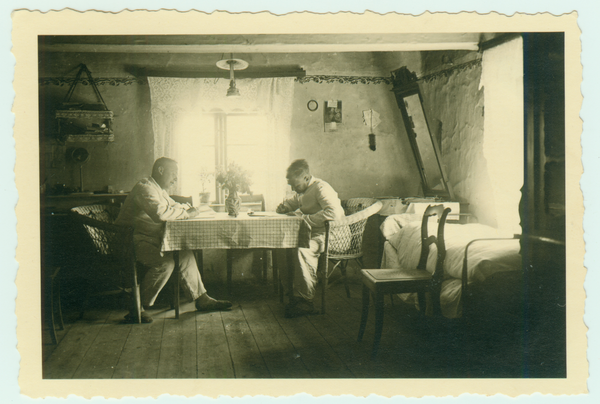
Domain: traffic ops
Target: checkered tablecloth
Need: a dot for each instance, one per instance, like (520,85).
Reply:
(224,231)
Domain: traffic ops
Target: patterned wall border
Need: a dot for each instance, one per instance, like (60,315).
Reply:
(112,81)
(322,79)
(319,79)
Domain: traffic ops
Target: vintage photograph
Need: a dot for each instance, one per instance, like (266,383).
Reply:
(208,210)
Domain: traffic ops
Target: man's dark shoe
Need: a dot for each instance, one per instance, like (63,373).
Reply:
(131,318)
(299,307)
(213,305)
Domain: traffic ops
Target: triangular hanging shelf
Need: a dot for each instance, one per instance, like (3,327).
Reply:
(78,122)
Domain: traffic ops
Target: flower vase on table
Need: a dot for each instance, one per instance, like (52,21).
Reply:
(233,179)
(233,203)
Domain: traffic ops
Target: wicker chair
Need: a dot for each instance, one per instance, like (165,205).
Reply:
(109,252)
(343,241)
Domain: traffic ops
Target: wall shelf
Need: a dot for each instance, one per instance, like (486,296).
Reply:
(78,122)
(85,125)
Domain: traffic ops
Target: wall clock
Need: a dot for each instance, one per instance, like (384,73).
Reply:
(312,105)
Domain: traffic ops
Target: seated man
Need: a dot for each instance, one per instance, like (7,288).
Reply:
(146,209)
(317,202)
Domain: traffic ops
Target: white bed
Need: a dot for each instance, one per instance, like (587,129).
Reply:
(402,248)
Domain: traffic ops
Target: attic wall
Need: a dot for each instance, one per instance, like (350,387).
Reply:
(454,106)
(118,164)
(341,157)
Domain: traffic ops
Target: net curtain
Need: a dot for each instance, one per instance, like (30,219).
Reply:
(175,102)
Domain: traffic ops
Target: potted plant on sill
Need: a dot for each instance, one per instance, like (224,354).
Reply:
(205,177)
(235,180)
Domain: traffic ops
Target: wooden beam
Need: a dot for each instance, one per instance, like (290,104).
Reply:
(261,48)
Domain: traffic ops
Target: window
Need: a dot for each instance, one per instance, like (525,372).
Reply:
(197,125)
(223,138)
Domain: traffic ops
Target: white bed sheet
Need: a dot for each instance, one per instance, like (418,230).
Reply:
(402,250)
(451,288)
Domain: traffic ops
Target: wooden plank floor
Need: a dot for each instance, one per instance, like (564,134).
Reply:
(254,340)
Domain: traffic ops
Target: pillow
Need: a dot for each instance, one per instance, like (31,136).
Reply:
(393,223)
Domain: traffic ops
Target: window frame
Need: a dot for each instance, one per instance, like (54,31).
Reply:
(221,142)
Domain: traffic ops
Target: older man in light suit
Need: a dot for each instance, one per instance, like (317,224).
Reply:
(146,209)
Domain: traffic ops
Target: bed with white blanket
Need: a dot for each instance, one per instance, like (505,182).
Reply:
(486,259)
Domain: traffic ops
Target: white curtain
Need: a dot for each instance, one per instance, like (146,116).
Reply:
(177,104)
(502,79)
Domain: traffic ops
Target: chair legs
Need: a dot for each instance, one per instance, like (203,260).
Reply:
(323,276)
(56,287)
(50,321)
(52,304)
(265,265)
(323,281)
(176,286)
(277,285)
(229,272)
(365,312)
(345,277)
(422,302)
(378,300)
(378,322)
(50,312)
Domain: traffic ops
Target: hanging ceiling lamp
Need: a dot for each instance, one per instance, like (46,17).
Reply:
(232,64)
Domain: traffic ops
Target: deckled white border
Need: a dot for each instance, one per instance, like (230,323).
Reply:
(9,238)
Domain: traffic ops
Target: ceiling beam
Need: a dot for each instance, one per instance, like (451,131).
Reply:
(262,48)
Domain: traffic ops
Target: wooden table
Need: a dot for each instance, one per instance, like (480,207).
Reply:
(221,231)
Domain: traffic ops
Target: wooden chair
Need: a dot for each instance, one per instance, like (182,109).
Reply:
(380,282)
(343,241)
(51,301)
(277,287)
(255,198)
(110,254)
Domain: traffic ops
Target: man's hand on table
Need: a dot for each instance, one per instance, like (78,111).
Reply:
(281,208)
(192,212)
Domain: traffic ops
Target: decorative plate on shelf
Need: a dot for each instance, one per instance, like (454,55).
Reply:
(80,155)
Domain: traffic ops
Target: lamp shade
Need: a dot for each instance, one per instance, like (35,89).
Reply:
(232,65)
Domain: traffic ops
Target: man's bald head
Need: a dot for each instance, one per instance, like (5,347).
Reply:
(164,172)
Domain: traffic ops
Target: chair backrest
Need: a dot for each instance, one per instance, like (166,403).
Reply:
(438,240)
(98,223)
(109,249)
(354,205)
(103,213)
(256,198)
(345,236)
